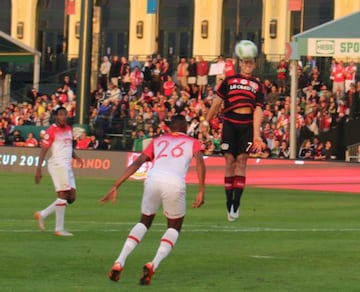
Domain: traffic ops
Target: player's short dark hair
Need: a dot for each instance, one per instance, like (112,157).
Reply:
(60,108)
(178,124)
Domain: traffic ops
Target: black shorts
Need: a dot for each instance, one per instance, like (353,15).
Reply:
(237,138)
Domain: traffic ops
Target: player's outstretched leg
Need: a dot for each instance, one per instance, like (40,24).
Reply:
(60,208)
(167,243)
(135,236)
(41,215)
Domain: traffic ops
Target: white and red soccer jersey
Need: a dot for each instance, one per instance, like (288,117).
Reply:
(60,141)
(171,155)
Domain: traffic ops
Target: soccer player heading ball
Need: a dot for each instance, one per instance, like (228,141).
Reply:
(171,155)
(242,98)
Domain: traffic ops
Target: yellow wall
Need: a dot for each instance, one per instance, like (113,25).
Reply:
(275,9)
(345,7)
(24,11)
(210,10)
(146,45)
(73,42)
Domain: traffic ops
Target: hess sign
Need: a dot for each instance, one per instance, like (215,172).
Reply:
(333,47)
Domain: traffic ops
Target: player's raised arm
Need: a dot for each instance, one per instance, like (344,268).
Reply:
(131,169)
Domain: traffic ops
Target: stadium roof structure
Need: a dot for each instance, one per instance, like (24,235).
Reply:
(337,38)
(14,51)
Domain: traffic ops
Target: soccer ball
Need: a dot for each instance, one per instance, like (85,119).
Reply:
(246,50)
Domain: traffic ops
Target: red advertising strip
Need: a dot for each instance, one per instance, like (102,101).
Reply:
(279,173)
(289,174)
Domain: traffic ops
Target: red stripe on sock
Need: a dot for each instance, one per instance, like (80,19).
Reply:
(62,204)
(134,238)
(167,241)
(239,182)
(228,182)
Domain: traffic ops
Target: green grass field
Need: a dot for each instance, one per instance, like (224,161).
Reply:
(284,241)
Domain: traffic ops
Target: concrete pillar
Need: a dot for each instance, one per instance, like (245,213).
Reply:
(73,32)
(84,66)
(275,10)
(207,13)
(145,44)
(23,13)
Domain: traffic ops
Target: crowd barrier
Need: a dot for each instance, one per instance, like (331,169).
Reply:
(265,173)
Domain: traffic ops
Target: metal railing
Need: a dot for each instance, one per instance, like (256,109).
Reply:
(353,153)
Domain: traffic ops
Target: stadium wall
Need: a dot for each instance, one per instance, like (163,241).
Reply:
(265,173)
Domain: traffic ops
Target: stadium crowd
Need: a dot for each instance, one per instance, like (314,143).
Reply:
(136,100)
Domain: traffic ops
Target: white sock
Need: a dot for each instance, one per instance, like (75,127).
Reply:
(60,206)
(166,245)
(48,210)
(135,236)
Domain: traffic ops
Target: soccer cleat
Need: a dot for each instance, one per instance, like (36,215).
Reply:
(148,272)
(40,220)
(233,214)
(230,218)
(114,273)
(63,233)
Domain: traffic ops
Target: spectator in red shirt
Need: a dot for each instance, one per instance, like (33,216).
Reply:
(83,141)
(168,86)
(202,74)
(31,140)
(137,78)
(147,96)
(282,71)
(338,77)
(229,67)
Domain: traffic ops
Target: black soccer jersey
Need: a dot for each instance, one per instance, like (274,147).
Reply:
(238,91)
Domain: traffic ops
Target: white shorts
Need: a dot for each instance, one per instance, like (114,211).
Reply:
(202,80)
(192,80)
(62,177)
(347,84)
(170,194)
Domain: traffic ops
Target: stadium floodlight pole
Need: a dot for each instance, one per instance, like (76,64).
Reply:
(293,111)
(83,70)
